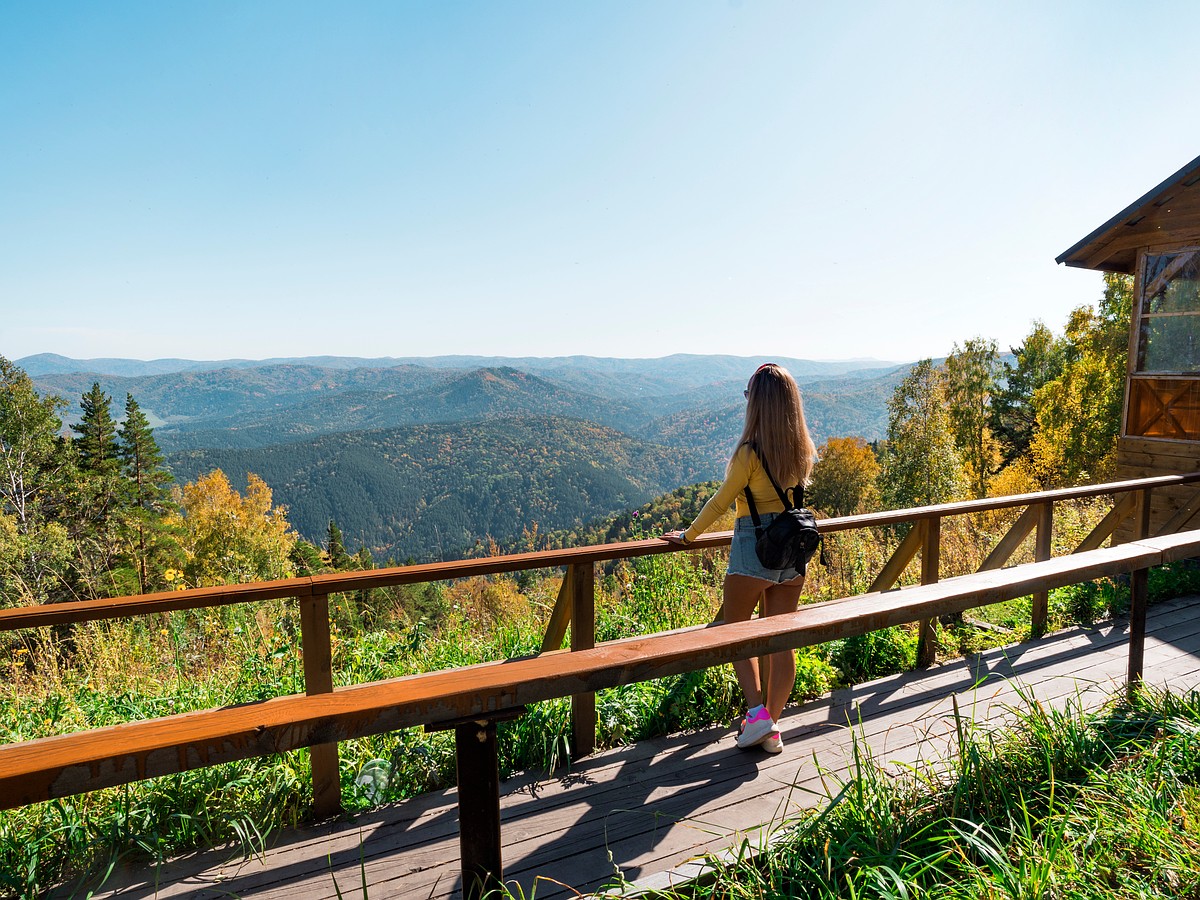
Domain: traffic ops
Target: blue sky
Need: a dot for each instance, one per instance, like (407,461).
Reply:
(265,179)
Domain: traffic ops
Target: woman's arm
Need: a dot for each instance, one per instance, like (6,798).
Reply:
(736,479)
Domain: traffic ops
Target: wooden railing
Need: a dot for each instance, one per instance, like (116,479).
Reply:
(472,699)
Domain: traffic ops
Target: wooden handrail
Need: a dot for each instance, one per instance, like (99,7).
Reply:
(472,699)
(60,766)
(307,586)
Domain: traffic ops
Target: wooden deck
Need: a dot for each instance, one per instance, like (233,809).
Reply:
(650,810)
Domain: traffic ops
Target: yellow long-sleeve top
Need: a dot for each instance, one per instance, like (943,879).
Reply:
(744,469)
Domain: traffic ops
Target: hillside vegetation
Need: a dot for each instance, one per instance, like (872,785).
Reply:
(439,491)
(339,440)
(92,512)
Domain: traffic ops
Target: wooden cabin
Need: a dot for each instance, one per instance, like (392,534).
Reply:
(1156,239)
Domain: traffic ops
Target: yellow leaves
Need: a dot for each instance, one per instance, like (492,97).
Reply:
(231,538)
(843,480)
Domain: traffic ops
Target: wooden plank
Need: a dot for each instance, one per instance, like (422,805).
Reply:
(895,566)
(1106,526)
(1160,447)
(1042,551)
(931,545)
(560,617)
(60,766)
(696,774)
(583,637)
(145,604)
(347,582)
(477,759)
(1182,517)
(1012,539)
(318,679)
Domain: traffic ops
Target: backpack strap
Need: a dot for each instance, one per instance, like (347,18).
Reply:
(782,496)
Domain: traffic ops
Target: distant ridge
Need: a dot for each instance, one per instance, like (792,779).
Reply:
(679,364)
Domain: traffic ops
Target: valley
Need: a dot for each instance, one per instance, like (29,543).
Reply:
(426,459)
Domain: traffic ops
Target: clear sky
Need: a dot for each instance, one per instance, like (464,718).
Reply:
(821,180)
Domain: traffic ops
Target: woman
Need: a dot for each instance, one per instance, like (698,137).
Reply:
(774,433)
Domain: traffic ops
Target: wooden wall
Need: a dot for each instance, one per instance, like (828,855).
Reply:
(1146,457)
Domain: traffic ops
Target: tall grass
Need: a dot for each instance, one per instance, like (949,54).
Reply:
(103,673)
(1064,803)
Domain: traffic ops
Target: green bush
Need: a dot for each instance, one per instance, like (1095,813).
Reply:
(874,654)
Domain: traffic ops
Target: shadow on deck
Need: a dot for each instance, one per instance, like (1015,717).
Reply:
(648,811)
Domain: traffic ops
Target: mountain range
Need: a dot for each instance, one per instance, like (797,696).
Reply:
(423,458)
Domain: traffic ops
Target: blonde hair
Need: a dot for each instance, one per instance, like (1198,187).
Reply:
(775,426)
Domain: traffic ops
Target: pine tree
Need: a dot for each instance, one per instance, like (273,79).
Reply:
(95,522)
(339,559)
(147,495)
(97,441)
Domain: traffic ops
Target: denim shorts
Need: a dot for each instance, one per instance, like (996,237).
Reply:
(744,561)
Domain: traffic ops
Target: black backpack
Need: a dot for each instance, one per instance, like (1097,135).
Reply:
(792,537)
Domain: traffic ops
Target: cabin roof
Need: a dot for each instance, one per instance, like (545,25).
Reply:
(1168,213)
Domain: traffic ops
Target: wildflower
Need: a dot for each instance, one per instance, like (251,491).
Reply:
(20,651)
(170,574)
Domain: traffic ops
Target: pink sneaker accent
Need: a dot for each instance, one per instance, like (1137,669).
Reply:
(755,730)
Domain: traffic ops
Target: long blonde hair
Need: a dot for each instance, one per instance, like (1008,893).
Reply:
(775,426)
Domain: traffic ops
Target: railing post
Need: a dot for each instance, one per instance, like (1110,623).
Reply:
(931,546)
(1041,553)
(1138,596)
(478,768)
(318,679)
(583,637)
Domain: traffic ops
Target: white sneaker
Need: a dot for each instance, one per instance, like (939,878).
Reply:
(773,742)
(755,729)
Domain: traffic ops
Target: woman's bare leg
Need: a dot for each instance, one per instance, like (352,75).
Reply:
(742,596)
(777,600)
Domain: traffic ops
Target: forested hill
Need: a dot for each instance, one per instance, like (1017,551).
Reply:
(434,491)
(682,400)
(558,442)
(678,368)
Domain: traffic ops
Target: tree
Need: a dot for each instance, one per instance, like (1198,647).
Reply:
(339,559)
(96,513)
(1039,360)
(970,379)
(227,538)
(1078,413)
(36,473)
(97,441)
(921,465)
(147,496)
(843,480)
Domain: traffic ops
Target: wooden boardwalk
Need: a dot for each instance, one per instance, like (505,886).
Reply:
(650,811)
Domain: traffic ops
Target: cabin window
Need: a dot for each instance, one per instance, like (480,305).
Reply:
(1164,389)
(1169,340)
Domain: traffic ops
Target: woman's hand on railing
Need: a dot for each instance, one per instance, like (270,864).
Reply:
(675,537)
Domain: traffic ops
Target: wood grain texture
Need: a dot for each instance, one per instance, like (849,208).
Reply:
(650,808)
(199,598)
(69,764)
